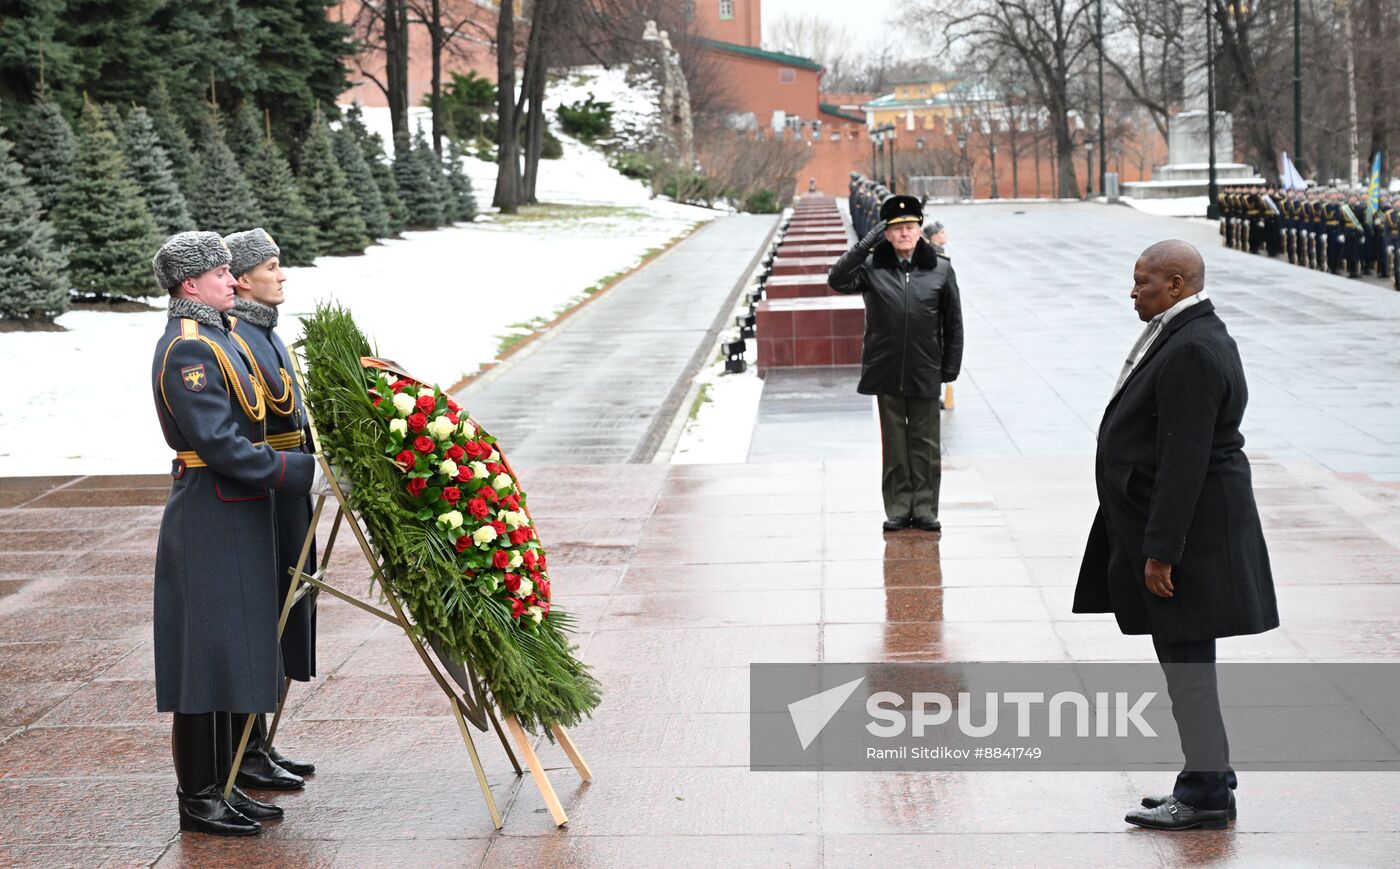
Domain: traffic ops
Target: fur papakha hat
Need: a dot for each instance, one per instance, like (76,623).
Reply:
(188,255)
(248,248)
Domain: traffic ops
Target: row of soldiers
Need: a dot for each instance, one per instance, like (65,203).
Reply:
(1326,230)
(238,512)
(865,198)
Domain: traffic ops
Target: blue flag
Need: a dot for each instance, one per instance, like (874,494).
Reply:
(1373,187)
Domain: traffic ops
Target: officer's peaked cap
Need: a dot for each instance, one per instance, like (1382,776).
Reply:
(902,209)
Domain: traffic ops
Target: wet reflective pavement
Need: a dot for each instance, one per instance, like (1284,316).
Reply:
(681,576)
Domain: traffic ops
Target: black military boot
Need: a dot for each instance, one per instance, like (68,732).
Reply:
(297,767)
(258,770)
(194,745)
(258,811)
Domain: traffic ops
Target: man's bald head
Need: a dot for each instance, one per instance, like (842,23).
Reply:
(1166,273)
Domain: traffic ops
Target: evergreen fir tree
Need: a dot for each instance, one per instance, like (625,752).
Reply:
(222,200)
(101,218)
(148,165)
(372,146)
(45,147)
(285,214)
(462,202)
(435,173)
(362,183)
(417,186)
(171,132)
(328,195)
(32,279)
(245,134)
(112,117)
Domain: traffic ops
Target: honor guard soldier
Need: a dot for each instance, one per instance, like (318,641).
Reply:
(216,603)
(913,344)
(256,266)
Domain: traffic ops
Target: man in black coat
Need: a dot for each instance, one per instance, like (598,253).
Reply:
(1176,549)
(913,344)
(216,607)
(256,265)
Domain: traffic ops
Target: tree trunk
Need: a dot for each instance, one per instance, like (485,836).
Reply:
(1349,67)
(1064,153)
(1258,115)
(532,93)
(396,64)
(507,194)
(435,34)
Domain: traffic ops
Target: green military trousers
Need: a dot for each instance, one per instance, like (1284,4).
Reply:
(912,457)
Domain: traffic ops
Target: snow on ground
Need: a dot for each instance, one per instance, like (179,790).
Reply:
(1185,206)
(722,428)
(86,407)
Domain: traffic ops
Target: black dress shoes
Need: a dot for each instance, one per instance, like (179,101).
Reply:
(1154,802)
(251,808)
(258,771)
(895,524)
(297,767)
(926,523)
(206,812)
(1176,815)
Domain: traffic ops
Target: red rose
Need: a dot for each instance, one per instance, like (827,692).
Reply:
(499,526)
(452,494)
(542,588)
(474,449)
(516,608)
(500,559)
(455,453)
(542,565)
(544,608)
(407,459)
(513,502)
(519,536)
(399,384)
(494,468)
(424,444)
(377,399)
(530,600)
(489,493)
(464,543)
(453,406)
(478,508)
(512,582)
(464,475)
(456,420)
(416,486)
(417,422)
(426,403)
(529,559)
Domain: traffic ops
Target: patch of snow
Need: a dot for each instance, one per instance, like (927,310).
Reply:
(723,428)
(89,410)
(1185,206)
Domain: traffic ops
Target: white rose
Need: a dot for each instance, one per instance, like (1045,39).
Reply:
(399,427)
(484,534)
(448,467)
(526,586)
(502,481)
(494,457)
(493,583)
(512,518)
(441,428)
(535,613)
(467,428)
(515,559)
(403,403)
(479,471)
(453,519)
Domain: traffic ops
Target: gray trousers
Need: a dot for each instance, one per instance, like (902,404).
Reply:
(913,463)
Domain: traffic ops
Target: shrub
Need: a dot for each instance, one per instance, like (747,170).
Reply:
(586,120)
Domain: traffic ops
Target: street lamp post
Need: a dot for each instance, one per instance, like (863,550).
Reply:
(1297,81)
(1088,167)
(893,137)
(1103,143)
(962,158)
(1213,190)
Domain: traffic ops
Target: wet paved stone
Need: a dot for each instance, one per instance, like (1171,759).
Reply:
(681,576)
(604,386)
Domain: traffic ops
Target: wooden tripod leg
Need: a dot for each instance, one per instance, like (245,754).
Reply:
(522,741)
(476,766)
(572,751)
(238,755)
(501,732)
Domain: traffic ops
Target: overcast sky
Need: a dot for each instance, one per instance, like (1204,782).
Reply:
(864,20)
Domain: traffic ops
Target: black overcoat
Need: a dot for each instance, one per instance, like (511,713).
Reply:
(286,419)
(1174,484)
(913,319)
(216,603)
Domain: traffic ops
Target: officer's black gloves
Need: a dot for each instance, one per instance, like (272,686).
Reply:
(872,237)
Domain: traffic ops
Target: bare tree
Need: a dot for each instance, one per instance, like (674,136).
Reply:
(381,28)
(446,21)
(1144,50)
(1047,37)
(508,182)
(812,37)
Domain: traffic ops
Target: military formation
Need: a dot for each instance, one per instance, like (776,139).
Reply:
(234,523)
(1323,229)
(865,198)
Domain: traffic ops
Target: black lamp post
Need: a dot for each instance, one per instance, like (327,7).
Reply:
(1297,81)
(892,172)
(1088,166)
(1103,142)
(962,157)
(1213,190)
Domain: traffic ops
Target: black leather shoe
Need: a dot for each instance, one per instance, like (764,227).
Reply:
(297,767)
(1176,815)
(925,523)
(253,809)
(1154,802)
(895,524)
(206,812)
(258,771)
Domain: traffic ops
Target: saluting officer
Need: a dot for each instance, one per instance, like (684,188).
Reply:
(256,266)
(216,601)
(913,344)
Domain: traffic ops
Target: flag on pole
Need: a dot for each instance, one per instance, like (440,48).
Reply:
(1289,179)
(1373,187)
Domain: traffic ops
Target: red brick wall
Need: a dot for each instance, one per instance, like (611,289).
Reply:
(751,84)
(745,28)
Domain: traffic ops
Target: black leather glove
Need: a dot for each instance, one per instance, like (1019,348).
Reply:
(873,237)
